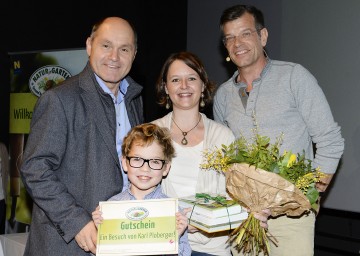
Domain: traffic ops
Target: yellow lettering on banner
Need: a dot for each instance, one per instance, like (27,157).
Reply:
(17,65)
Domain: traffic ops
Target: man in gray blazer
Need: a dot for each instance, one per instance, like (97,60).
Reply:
(71,159)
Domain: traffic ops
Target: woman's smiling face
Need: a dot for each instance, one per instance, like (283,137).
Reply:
(183,85)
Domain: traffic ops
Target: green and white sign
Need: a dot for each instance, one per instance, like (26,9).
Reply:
(138,227)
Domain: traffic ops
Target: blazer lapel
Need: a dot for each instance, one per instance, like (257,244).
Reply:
(100,114)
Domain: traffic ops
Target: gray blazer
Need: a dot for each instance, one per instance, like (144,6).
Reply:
(70,160)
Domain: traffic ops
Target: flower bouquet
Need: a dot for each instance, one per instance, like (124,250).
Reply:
(258,177)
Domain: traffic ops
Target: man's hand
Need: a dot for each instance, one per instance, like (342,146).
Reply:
(324,182)
(263,217)
(87,237)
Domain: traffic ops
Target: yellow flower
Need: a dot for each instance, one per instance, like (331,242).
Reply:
(264,155)
(292,160)
(295,168)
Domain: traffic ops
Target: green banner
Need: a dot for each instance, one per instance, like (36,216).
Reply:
(21,109)
(31,74)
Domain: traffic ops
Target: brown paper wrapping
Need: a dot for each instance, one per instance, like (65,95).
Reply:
(258,189)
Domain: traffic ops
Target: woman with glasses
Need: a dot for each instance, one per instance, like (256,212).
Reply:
(147,152)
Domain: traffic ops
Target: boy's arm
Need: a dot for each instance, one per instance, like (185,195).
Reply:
(181,226)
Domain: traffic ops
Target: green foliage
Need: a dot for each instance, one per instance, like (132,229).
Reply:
(262,154)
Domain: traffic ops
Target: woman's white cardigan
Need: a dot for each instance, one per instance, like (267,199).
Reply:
(208,182)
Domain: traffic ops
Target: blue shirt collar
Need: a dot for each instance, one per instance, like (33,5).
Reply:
(151,195)
(122,90)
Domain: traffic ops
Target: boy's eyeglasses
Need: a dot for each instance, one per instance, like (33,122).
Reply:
(137,162)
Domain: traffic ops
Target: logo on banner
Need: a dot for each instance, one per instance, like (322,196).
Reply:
(47,77)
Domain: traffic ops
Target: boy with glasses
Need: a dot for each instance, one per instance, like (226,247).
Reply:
(146,157)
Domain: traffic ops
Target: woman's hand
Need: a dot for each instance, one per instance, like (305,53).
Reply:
(191,229)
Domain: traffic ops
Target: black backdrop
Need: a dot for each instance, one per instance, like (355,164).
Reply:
(161,26)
